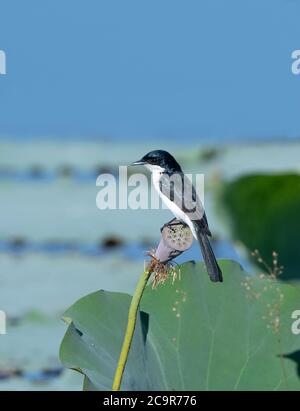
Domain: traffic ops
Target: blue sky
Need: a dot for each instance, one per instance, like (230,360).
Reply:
(197,69)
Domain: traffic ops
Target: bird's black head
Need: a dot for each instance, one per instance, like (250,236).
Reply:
(159,158)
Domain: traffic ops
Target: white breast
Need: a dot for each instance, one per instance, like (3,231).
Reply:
(178,213)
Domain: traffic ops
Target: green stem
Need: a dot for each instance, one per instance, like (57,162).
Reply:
(133,310)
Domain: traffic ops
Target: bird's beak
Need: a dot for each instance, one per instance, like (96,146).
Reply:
(138,163)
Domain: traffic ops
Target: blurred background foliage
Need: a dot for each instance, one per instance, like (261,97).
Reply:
(264,214)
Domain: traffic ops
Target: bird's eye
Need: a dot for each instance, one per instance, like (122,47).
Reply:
(154,160)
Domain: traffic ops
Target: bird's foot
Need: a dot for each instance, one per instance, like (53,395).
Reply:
(172,223)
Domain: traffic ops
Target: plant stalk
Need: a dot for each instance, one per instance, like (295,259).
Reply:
(133,310)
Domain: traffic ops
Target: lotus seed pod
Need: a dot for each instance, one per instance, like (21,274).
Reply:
(176,238)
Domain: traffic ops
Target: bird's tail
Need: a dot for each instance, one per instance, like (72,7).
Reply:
(212,266)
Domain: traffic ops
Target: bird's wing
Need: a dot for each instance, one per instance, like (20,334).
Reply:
(178,188)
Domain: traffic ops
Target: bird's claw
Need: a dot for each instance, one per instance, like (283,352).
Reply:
(171,225)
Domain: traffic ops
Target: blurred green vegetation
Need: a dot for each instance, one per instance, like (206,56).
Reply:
(264,213)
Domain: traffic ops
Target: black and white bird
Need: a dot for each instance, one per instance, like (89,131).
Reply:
(179,195)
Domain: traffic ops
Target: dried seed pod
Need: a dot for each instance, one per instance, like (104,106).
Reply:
(176,238)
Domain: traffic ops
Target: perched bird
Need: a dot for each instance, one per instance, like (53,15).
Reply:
(179,195)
